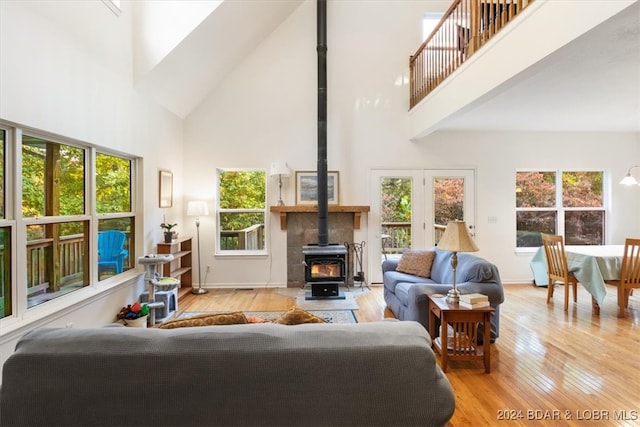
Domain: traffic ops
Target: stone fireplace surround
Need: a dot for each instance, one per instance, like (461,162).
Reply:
(301,223)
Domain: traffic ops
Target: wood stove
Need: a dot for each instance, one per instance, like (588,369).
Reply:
(325,270)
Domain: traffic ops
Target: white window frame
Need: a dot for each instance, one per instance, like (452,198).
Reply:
(560,209)
(241,253)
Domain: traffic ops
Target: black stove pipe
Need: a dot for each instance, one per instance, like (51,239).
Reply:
(323,202)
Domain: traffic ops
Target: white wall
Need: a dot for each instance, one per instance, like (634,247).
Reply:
(266,111)
(76,81)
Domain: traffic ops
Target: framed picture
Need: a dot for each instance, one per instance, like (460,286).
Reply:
(307,187)
(166,189)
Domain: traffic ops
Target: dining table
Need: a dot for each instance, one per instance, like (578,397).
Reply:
(592,265)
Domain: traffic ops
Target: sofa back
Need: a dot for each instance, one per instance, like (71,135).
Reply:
(471,268)
(255,374)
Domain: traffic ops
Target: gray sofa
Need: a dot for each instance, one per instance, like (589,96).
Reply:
(369,374)
(406,294)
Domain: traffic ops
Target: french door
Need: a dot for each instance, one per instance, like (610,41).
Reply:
(411,208)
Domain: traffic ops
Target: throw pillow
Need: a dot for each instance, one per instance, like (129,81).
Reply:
(416,262)
(297,316)
(206,320)
(256,319)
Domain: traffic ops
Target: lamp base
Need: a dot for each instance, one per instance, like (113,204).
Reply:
(199,291)
(453,296)
(280,202)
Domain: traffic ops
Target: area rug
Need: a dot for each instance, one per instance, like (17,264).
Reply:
(330,316)
(348,303)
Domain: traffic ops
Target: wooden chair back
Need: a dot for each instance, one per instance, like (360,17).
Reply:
(557,267)
(629,271)
(556,257)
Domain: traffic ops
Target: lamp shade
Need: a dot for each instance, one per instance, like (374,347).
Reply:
(197,208)
(630,179)
(456,238)
(279,168)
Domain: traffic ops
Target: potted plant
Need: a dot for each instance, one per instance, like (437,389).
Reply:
(168,234)
(134,315)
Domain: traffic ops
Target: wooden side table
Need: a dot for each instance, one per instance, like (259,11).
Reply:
(461,342)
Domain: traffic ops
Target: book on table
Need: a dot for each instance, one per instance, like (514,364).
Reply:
(473,298)
(480,304)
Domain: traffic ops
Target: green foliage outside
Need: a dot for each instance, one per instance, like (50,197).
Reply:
(242,191)
(113,184)
(2,148)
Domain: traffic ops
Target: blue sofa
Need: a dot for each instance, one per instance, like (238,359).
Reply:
(406,295)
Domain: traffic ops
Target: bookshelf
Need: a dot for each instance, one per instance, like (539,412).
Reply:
(181,266)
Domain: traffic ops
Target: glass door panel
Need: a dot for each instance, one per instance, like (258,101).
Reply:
(449,196)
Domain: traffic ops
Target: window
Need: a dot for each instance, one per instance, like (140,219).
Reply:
(242,201)
(395,212)
(5,238)
(53,188)
(569,203)
(68,191)
(113,206)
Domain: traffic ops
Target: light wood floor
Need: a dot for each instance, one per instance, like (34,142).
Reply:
(548,367)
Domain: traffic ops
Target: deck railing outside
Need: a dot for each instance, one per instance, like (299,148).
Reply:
(250,238)
(72,261)
(397,236)
(463,29)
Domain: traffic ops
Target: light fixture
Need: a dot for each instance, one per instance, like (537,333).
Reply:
(281,170)
(629,179)
(456,238)
(198,209)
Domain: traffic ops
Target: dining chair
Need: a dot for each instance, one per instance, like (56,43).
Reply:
(629,273)
(557,268)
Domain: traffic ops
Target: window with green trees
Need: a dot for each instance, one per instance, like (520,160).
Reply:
(5,238)
(113,201)
(242,201)
(569,203)
(53,188)
(395,211)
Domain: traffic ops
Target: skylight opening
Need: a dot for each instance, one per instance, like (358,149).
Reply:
(114,6)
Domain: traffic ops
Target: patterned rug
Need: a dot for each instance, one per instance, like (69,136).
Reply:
(349,303)
(330,316)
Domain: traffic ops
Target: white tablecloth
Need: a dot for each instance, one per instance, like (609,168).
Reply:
(591,265)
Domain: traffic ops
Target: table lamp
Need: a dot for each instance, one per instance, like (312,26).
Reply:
(280,170)
(456,238)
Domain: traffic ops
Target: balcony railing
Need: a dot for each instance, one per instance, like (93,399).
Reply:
(71,267)
(464,28)
(250,238)
(397,236)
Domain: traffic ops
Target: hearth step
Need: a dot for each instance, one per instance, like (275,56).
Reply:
(325,290)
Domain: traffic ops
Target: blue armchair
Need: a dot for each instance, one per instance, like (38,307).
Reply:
(111,252)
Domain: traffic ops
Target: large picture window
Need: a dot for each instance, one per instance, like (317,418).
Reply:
(242,201)
(569,203)
(69,195)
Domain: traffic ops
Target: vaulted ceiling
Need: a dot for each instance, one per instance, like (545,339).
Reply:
(591,84)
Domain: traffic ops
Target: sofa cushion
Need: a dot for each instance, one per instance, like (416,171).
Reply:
(298,316)
(206,320)
(417,262)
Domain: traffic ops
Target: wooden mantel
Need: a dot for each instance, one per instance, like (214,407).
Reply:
(284,210)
